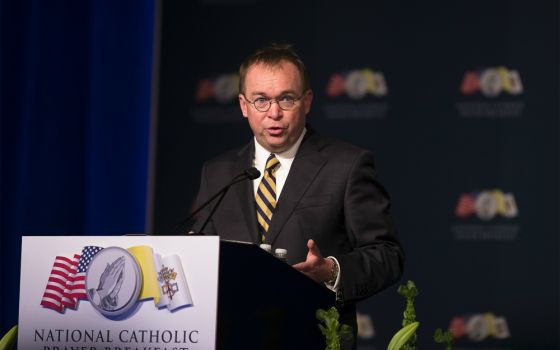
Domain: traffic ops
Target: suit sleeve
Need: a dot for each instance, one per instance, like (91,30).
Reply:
(376,260)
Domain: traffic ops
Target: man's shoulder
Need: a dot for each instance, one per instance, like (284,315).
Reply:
(331,145)
(231,156)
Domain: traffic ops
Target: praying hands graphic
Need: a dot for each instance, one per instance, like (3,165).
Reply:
(106,296)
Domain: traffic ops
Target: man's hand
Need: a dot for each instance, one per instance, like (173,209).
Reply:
(315,266)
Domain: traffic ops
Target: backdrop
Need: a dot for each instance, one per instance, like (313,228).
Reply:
(458,101)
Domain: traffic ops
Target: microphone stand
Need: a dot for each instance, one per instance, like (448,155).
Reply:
(249,174)
(222,194)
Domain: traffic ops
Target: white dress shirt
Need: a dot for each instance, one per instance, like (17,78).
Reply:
(285,158)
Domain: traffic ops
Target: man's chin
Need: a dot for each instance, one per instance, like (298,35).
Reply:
(277,147)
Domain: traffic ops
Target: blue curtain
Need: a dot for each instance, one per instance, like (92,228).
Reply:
(75,124)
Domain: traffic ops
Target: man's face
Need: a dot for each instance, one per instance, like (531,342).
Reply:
(276,130)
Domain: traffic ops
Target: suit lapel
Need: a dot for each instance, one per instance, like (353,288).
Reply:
(244,191)
(305,168)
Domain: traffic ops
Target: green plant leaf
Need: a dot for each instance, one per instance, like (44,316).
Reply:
(444,337)
(8,341)
(332,329)
(321,315)
(408,290)
(402,336)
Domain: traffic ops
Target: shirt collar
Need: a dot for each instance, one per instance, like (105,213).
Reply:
(261,153)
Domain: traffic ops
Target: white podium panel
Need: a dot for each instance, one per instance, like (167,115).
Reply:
(117,293)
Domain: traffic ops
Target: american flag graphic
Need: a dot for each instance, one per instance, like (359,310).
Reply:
(466,205)
(67,283)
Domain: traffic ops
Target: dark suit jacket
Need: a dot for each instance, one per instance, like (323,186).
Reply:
(331,195)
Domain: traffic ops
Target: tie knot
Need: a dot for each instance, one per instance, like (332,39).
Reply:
(272,162)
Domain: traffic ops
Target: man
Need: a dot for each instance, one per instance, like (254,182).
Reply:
(316,197)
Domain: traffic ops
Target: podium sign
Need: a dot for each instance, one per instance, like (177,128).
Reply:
(117,293)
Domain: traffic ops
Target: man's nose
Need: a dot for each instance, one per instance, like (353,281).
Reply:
(275,111)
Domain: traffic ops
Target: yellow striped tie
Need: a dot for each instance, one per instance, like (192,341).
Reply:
(266,195)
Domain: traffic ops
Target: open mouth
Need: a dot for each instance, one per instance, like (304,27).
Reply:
(275,131)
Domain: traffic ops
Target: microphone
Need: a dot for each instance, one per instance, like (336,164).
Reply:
(248,174)
(252,173)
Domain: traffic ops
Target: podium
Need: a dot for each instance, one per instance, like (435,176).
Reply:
(263,303)
(202,293)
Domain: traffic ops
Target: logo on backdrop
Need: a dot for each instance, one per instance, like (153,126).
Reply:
(492,92)
(486,215)
(215,99)
(477,327)
(365,326)
(356,94)
(491,82)
(114,279)
(486,205)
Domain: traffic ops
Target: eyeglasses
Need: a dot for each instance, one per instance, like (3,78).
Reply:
(285,102)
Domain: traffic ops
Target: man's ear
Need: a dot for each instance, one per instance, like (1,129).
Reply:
(307,99)
(243,105)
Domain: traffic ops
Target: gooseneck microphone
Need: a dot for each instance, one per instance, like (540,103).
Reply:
(252,173)
(248,174)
